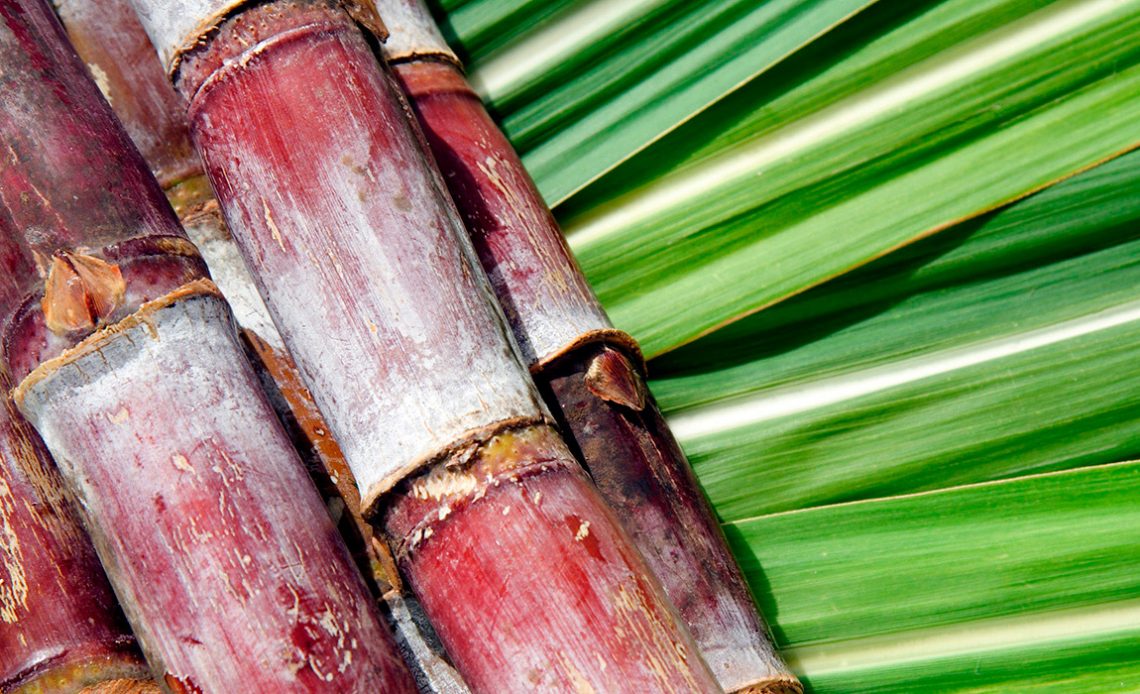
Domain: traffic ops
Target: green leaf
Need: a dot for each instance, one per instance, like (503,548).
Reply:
(871,332)
(927,588)
(477,28)
(885,39)
(1103,659)
(579,87)
(989,277)
(1001,347)
(913,150)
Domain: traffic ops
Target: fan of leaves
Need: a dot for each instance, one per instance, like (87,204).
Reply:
(886,257)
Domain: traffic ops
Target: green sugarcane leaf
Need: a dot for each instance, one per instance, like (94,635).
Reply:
(581,86)
(989,277)
(957,133)
(1074,652)
(885,39)
(479,28)
(926,588)
(998,348)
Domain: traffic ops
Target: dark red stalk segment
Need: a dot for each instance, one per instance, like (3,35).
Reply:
(643,474)
(65,157)
(415,637)
(541,551)
(60,628)
(597,391)
(108,37)
(217,545)
(363,262)
(59,625)
(350,242)
(547,301)
(323,457)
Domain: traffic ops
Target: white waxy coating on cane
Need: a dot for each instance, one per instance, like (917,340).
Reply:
(412,32)
(176,25)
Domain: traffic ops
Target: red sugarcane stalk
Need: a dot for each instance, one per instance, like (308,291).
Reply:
(592,375)
(60,628)
(111,41)
(213,537)
(526,575)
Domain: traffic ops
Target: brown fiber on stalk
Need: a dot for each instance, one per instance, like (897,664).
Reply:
(367,271)
(591,375)
(217,545)
(789,685)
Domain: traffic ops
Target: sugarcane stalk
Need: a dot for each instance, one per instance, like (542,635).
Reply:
(110,40)
(592,376)
(60,627)
(415,637)
(216,543)
(528,578)
(108,37)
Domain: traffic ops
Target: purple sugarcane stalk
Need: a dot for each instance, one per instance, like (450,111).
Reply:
(60,627)
(111,41)
(129,366)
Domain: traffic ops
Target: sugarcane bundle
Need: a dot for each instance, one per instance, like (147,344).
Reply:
(367,271)
(592,375)
(215,541)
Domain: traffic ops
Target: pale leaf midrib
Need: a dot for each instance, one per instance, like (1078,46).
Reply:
(979,636)
(748,410)
(547,46)
(932,75)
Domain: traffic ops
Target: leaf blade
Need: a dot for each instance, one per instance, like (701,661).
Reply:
(696,242)
(972,334)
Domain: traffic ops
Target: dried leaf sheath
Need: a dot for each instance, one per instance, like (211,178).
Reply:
(591,374)
(60,627)
(363,264)
(214,539)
